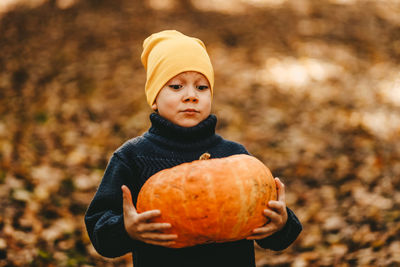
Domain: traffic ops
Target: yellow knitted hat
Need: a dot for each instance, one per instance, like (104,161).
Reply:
(168,53)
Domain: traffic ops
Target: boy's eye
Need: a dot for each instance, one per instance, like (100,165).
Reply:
(202,87)
(175,86)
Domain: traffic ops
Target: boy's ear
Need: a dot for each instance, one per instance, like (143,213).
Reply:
(154,106)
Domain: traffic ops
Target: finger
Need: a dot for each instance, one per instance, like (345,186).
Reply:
(273,216)
(264,230)
(152,227)
(127,200)
(276,206)
(161,243)
(147,215)
(256,237)
(158,237)
(281,189)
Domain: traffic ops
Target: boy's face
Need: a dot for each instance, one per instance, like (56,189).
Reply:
(185,100)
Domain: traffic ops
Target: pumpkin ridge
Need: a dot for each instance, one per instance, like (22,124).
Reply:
(212,195)
(185,173)
(243,203)
(151,197)
(176,188)
(226,206)
(254,202)
(221,209)
(260,202)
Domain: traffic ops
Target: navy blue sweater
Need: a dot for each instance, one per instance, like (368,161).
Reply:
(163,146)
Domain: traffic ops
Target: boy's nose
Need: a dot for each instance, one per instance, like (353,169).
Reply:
(191,99)
(191,95)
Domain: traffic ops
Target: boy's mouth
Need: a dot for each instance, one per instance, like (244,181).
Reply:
(190,110)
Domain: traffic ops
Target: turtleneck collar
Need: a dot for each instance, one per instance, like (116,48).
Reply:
(168,133)
(165,128)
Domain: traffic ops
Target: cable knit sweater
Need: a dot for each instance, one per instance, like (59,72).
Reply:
(163,146)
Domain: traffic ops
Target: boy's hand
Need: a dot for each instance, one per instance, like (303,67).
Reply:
(138,226)
(276,213)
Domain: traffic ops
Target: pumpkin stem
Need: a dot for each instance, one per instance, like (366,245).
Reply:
(205,156)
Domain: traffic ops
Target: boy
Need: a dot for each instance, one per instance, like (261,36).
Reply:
(179,89)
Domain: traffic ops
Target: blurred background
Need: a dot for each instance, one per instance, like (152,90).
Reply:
(310,87)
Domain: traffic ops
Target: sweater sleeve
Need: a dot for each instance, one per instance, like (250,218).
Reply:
(104,217)
(285,237)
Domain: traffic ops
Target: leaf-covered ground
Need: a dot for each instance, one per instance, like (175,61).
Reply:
(312,88)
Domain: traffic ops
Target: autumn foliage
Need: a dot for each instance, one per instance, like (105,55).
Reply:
(311,88)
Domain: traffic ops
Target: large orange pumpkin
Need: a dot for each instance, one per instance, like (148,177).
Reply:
(213,200)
